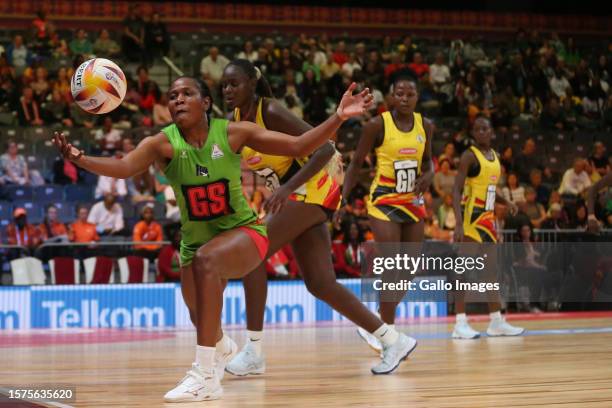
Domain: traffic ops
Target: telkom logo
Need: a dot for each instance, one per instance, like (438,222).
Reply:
(9,319)
(91,315)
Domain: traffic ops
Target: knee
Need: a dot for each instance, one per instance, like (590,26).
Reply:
(204,262)
(318,287)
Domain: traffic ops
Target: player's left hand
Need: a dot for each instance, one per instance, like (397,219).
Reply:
(422,183)
(354,105)
(277,200)
(67,150)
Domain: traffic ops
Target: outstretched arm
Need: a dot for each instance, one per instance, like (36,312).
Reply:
(270,142)
(135,162)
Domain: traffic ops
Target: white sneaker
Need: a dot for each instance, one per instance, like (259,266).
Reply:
(370,339)
(394,354)
(221,360)
(195,387)
(246,362)
(463,330)
(499,327)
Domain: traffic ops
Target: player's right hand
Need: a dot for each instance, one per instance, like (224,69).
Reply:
(67,150)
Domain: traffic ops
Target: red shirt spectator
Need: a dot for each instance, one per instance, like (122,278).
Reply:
(340,56)
(81,230)
(147,230)
(418,66)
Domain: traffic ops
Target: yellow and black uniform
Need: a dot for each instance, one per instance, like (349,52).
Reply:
(321,189)
(478,199)
(399,159)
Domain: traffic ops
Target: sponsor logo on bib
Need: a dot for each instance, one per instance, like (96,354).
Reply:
(216,152)
(407,150)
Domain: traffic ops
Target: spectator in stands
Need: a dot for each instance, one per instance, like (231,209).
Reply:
(56,47)
(248,52)
(19,232)
(110,185)
(396,64)
(554,218)
(18,55)
(514,192)
(82,230)
(40,26)
(108,139)
(28,111)
(64,172)
(51,228)
(330,68)
(105,47)
(575,180)
(446,215)
(559,84)
(419,66)
(157,40)
(132,41)
(599,159)
(81,118)
(350,66)
(439,73)
(349,254)
(147,230)
(62,84)
(40,85)
(527,160)
(147,102)
(81,45)
(144,82)
(55,109)
(340,56)
(310,64)
(107,215)
(14,166)
(570,54)
(542,192)
(579,219)
(161,114)
(444,179)
(534,210)
(507,158)
(212,66)
(168,262)
(319,56)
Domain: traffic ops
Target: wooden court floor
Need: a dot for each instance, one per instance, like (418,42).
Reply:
(329,367)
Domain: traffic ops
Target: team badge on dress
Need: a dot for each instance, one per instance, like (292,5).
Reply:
(183,154)
(201,171)
(216,152)
(420,138)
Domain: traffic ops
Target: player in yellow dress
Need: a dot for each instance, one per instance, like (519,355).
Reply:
(402,140)
(478,175)
(304,196)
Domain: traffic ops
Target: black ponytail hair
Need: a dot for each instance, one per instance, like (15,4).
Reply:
(204,92)
(404,74)
(263,87)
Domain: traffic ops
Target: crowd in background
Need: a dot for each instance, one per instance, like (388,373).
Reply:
(535,82)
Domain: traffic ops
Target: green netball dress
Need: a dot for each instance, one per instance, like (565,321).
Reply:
(208,188)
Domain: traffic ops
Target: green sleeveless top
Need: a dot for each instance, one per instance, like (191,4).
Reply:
(208,188)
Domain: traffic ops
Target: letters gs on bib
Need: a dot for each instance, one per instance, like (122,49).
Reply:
(405,175)
(206,202)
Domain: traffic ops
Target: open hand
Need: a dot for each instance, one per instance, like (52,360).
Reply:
(354,105)
(67,150)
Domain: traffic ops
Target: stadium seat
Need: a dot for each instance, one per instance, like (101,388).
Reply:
(19,192)
(133,269)
(64,271)
(99,269)
(6,215)
(34,162)
(27,271)
(79,193)
(49,192)
(129,211)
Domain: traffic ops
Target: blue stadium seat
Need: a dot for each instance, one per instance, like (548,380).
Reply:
(19,192)
(6,215)
(79,193)
(49,192)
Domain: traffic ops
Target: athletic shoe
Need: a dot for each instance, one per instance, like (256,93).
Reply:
(463,330)
(394,354)
(499,327)
(195,386)
(370,340)
(246,362)
(221,360)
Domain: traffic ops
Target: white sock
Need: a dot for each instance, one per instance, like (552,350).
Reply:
(223,345)
(386,334)
(255,338)
(461,318)
(495,316)
(205,358)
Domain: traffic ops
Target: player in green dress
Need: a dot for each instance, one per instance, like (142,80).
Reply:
(221,237)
